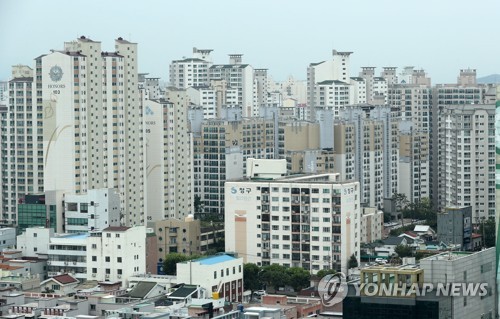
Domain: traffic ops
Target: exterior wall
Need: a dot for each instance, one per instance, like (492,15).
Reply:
(68,254)
(107,83)
(177,236)
(7,238)
(116,253)
(223,277)
(454,226)
(35,241)
(366,149)
(311,222)
(371,224)
(169,158)
(467,165)
(96,210)
(22,150)
(336,69)
(478,267)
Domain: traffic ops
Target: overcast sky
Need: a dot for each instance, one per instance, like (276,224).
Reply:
(284,36)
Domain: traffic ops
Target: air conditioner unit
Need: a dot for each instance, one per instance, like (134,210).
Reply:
(65,262)
(74,263)
(107,276)
(119,276)
(48,262)
(93,275)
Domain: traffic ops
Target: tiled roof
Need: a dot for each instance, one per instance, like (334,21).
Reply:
(65,279)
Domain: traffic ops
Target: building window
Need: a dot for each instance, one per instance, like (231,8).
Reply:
(94,258)
(215,275)
(119,259)
(108,271)
(34,234)
(119,247)
(94,270)
(119,271)
(108,235)
(108,259)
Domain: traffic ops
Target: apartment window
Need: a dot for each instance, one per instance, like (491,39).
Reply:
(94,270)
(34,235)
(94,246)
(119,259)
(108,259)
(222,272)
(119,247)
(108,235)
(108,271)
(119,271)
(215,274)
(94,258)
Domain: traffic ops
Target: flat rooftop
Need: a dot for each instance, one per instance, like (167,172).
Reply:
(212,260)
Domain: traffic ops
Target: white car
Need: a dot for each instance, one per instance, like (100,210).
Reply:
(381,261)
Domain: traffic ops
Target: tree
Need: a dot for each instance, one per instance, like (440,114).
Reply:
(323,272)
(251,278)
(401,202)
(403,251)
(299,278)
(171,260)
(275,276)
(198,204)
(487,230)
(353,262)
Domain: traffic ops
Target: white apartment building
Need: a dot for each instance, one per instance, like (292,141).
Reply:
(366,148)
(169,157)
(21,140)
(95,210)
(205,97)
(309,221)
(357,93)
(332,94)
(67,253)
(34,242)
(466,165)
(335,69)
(240,77)
(261,90)
(191,72)
(372,221)
(95,140)
(222,274)
(116,253)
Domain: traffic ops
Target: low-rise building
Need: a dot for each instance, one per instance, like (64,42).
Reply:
(116,253)
(68,254)
(7,238)
(61,284)
(222,274)
(34,241)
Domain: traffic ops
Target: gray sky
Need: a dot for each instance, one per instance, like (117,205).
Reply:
(284,36)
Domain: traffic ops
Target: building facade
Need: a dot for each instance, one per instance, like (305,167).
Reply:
(466,165)
(311,222)
(102,114)
(116,253)
(169,164)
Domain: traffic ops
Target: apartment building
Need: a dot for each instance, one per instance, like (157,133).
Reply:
(22,165)
(414,162)
(335,69)
(191,72)
(310,221)
(366,149)
(116,253)
(221,148)
(332,94)
(169,157)
(95,140)
(238,76)
(372,221)
(466,164)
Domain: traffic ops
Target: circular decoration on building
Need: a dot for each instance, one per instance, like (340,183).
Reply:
(56,73)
